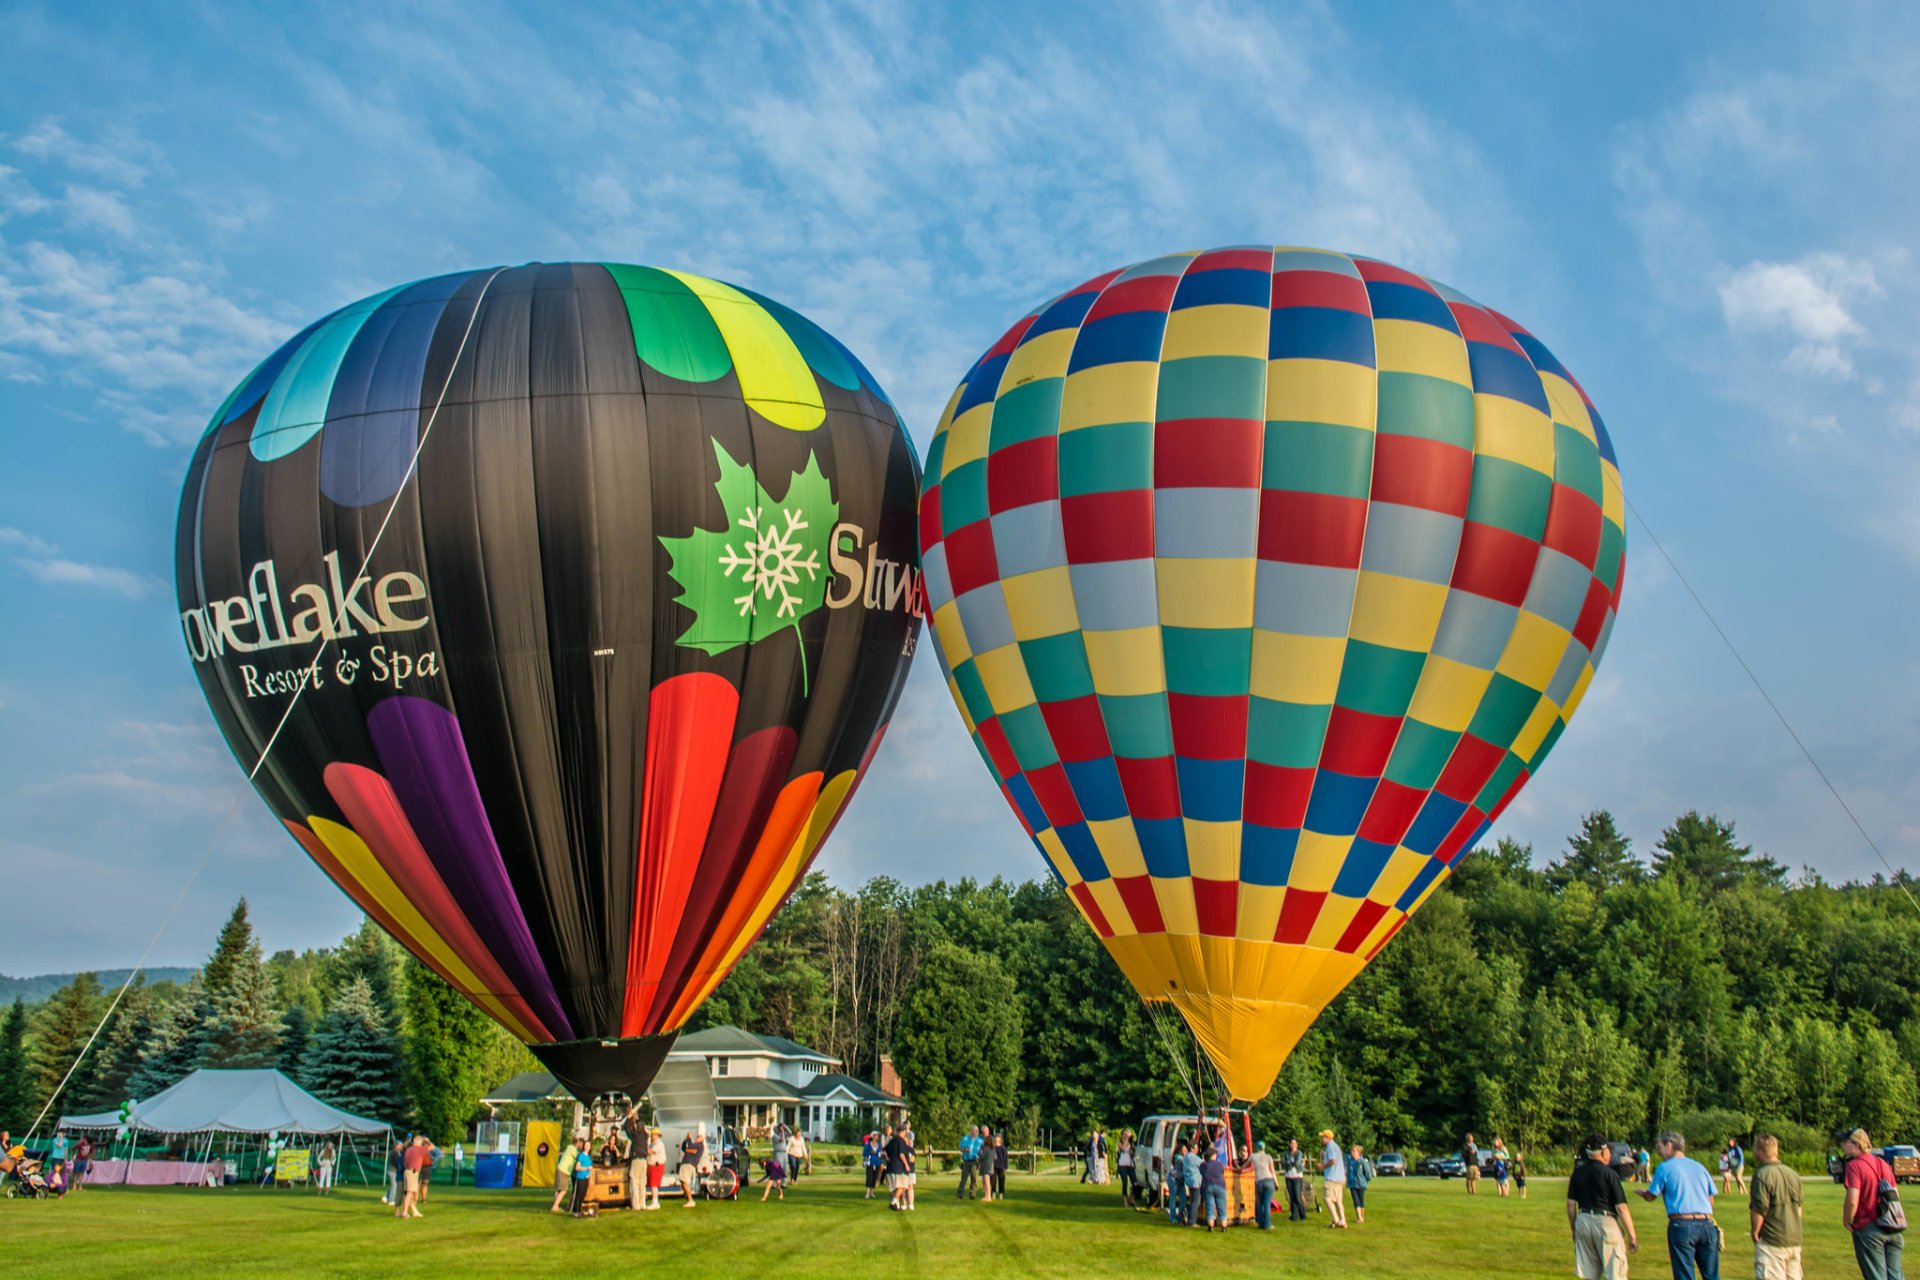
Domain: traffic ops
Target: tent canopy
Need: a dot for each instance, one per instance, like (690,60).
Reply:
(260,1101)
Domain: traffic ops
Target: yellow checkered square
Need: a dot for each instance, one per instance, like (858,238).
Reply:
(1175,896)
(1258,911)
(1399,613)
(1106,896)
(967,437)
(1040,603)
(1302,669)
(1043,357)
(1504,428)
(1004,673)
(1568,407)
(1126,662)
(1332,391)
(1214,594)
(1534,650)
(1049,841)
(1336,913)
(1119,846)
(1123,392)
(1220,330)
(1213,849)
(1394,878)
(1534,731)
(1613,500)
(1448,694)
(1317,861)
(1410,346)
(953,635)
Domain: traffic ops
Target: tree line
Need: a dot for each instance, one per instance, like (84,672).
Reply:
(361,1025)
(1540,998)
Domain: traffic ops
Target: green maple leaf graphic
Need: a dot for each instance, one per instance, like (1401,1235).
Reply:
(766,570)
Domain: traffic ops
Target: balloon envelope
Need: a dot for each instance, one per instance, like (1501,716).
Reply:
(1264,579)
(634,625)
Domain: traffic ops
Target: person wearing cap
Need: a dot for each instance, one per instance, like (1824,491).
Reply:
(656,1165)
(1876,1249)
(1773,1211)
(1598,1216)
(1333,1180)
(1470,1165)
(1686,1188)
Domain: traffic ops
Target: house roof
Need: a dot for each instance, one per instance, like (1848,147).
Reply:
(824,1085)
(528,1086)
(730,1039)
(753,1089)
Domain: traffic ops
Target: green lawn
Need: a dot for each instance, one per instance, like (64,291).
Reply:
(1050,1226)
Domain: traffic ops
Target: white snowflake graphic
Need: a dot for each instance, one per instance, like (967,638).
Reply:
(770,561)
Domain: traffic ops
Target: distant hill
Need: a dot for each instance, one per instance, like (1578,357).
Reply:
(34,990)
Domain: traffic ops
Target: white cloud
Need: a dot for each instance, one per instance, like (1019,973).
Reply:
(1809,301)
(117,159)
(41,559)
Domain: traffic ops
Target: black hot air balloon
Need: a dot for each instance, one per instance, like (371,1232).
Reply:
(624,643)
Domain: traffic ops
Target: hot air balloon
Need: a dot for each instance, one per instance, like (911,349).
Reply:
(572,602)
(1264,579)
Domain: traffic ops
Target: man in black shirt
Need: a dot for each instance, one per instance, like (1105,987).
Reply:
(1597,1213)
(899,1157)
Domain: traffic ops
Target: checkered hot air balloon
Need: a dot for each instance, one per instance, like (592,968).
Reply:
(1264,579)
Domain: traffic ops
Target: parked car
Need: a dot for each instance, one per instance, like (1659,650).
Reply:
(1904,1158)
(1449,1166)
(1390,1164)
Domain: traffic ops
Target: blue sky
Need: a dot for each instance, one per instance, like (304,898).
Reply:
(1707,212)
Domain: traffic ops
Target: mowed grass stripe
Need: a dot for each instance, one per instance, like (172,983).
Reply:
(1049,1226)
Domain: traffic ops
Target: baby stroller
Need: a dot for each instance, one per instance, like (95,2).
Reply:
(23,1180)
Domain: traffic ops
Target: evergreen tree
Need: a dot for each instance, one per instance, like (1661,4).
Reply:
(353,1061)
(172,1048)
(241,1028)
(16,1085)
(296,1031)
(1702,851)
(230,952)
(65,1026)
(117,1054)
(1599,856)
(447,1043)
(366,953)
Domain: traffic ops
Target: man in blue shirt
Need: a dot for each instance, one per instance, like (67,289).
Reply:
(1684,1184)
(969,1163)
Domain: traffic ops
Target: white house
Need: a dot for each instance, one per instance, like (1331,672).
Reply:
(761,1081)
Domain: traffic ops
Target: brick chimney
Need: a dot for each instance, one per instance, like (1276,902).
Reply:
(889,1078)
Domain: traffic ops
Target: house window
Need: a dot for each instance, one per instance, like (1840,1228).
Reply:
(717,1067)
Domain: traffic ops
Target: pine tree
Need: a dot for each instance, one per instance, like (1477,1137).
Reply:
(366,953)
(447,1042)
(16,1087)
(1599,856)
(172,1049)
(118,1055)
(296,1031)
(353,1061)
(230,951)
(242,1028)
(1703,851)
(66,1024)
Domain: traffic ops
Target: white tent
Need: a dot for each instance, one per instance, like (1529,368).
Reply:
(261,1101)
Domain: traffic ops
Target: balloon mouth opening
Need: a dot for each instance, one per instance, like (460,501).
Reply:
(590,1068)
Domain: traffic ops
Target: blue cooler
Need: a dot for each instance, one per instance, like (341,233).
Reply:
(496,1171)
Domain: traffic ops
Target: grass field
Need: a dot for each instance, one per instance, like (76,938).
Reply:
(1049,1226)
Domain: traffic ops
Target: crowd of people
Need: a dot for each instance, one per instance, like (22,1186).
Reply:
(1603,1228)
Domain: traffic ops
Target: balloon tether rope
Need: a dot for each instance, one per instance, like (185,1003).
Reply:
(413,464)
(1894,876)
